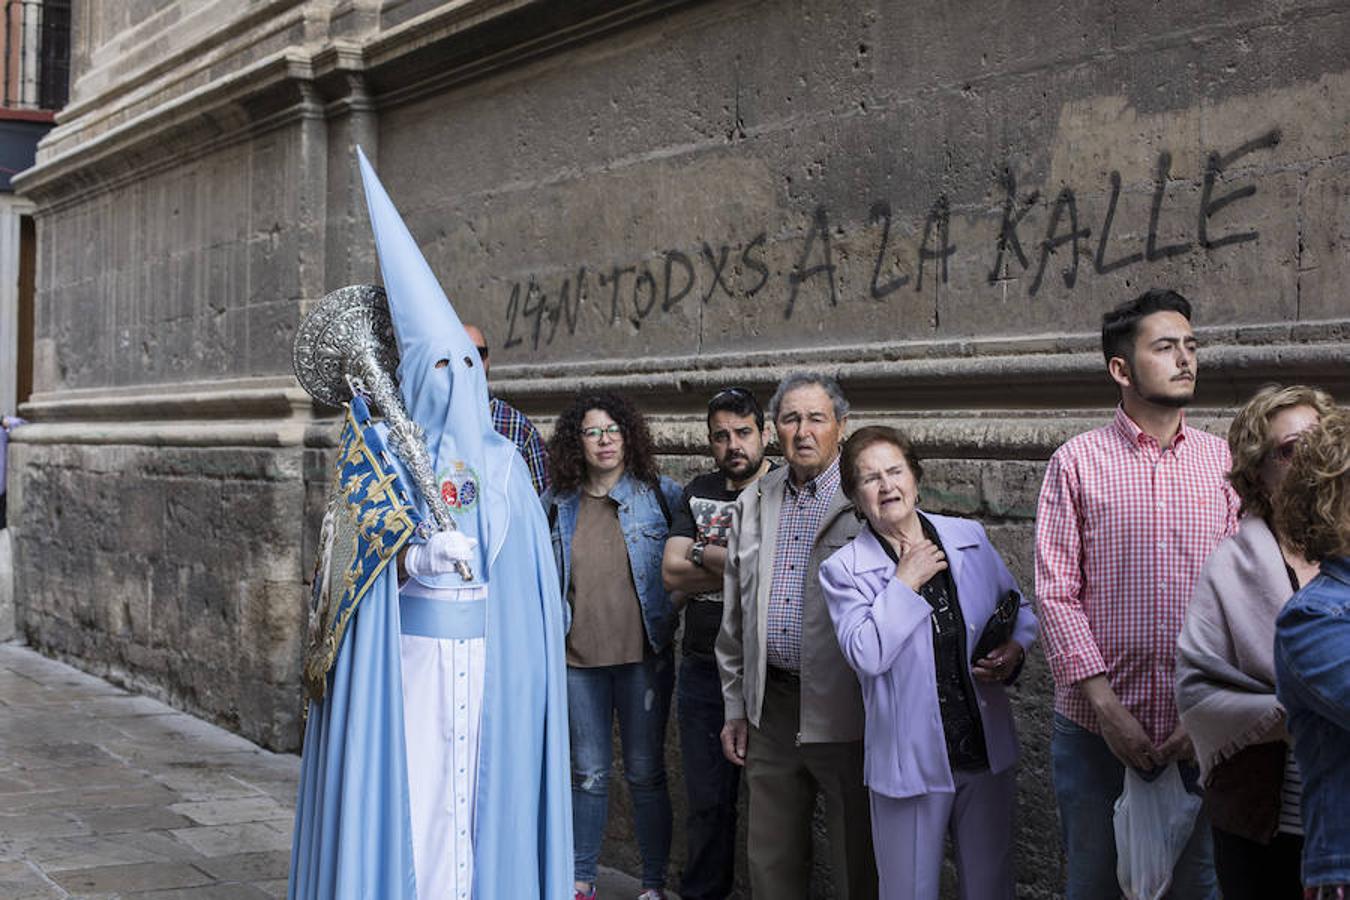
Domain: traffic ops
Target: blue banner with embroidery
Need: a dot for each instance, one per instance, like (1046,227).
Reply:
(368,520)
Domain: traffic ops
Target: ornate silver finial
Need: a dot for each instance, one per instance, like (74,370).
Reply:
(350,322)
(346,343)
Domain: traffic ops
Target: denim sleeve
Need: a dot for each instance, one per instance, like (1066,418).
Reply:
(549,502)
(674,492)
(1312,641)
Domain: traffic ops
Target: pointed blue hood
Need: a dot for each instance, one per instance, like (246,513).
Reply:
(449,402)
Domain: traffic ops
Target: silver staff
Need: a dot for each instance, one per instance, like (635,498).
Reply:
(346,345)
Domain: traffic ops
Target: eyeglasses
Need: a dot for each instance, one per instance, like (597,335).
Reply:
(595,432)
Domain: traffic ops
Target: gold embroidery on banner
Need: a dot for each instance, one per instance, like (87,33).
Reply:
(362,506)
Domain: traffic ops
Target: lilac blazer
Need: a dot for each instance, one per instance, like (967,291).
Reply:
(883,628)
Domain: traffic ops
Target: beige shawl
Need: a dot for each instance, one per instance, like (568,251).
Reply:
(1225,654)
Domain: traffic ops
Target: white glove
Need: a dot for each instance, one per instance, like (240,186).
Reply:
(439,554)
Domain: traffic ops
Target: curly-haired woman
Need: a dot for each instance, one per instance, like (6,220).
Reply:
(1226,664)
(608,512)
(1312,643)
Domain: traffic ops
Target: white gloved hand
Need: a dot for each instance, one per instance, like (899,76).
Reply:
(439,554)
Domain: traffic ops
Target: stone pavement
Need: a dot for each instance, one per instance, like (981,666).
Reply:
(106,794)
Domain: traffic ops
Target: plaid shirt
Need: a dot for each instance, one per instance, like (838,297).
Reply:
(512,424)
(799,519)
(1122,529)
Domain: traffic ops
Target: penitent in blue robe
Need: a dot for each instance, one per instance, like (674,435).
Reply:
(352,838)
(352,829)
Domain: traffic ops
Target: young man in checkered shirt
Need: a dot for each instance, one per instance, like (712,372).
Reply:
(1127,515)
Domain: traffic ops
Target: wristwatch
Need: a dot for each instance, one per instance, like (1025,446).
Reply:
(696,554)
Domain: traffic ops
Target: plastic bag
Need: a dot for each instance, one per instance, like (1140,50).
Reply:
(1154,820)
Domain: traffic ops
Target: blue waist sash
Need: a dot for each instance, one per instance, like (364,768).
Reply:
(443,619)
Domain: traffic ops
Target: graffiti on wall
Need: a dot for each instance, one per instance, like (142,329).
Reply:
(536,313)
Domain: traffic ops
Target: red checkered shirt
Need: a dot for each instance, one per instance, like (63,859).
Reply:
(1122,529)
(799,519)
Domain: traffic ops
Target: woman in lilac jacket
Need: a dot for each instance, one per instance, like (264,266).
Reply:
(910,597)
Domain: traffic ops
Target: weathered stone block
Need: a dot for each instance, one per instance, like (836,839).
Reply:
(1010,488)
(1324,264)
(951,487)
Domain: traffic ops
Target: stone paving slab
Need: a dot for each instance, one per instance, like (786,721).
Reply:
(106,795)
(119,879)
(109,795)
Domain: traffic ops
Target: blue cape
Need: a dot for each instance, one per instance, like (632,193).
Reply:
(352,833)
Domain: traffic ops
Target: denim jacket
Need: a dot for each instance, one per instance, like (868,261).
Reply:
(644,529)
(1312,680)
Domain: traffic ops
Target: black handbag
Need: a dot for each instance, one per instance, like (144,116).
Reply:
(998,631)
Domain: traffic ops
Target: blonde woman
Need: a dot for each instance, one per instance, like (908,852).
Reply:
(1311,645)
(1225,660)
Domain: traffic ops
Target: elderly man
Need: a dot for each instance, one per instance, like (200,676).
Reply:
(513,424)
(793,706)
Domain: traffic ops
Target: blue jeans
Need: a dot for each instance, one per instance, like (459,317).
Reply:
(1088,779)
(640,694)
(710,781)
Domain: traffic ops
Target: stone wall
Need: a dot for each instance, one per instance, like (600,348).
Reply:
(933,201)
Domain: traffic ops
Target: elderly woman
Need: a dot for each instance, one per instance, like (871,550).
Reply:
(608,512)
(910,598)
(1312,644)
(1226,666)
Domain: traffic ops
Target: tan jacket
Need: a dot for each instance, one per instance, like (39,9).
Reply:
(832,708)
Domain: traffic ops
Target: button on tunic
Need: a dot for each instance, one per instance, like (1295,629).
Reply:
(442,707)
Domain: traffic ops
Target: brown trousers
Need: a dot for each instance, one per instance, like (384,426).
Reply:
(783,778)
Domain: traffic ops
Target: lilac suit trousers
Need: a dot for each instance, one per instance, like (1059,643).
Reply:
(908,834)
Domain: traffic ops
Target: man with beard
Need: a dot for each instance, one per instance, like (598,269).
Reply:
(693,564)
(1128,513)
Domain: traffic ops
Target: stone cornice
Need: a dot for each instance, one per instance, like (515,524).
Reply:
(1031,372)
(1031,435)
(467,40)
(243,398)
(257,98)
(245,433)
(451,44)
(1327,332)
(1017,406)
(173,69)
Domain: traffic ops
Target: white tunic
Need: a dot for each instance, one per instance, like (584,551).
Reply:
(442,706)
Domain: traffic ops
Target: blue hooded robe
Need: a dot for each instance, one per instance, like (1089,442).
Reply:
(352,833)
